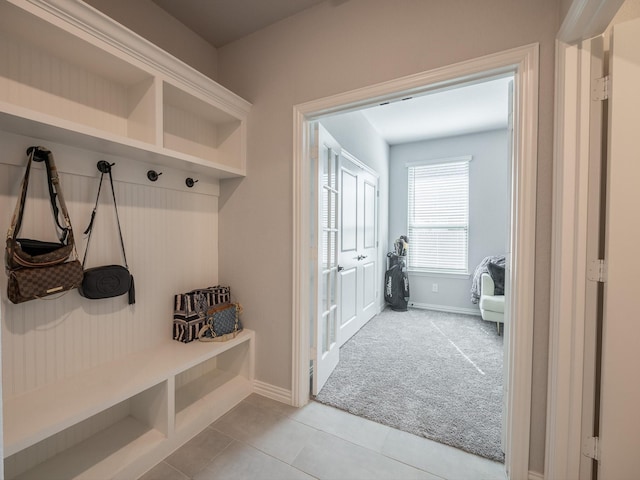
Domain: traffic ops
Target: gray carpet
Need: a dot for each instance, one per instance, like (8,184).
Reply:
(433,374)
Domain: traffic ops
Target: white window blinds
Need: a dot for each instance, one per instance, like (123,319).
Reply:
(438,221)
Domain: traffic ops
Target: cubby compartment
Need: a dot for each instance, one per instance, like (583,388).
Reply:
(119,419)
(195,127)
(48,76)
(69,74)
(209,389)
(101,446)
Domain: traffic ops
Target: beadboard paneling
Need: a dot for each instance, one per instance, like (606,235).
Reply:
(171,239)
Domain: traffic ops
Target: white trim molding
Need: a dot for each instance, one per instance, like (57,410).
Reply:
(566,327)
(535,476)
(445,308)
(434,274)
(271,391)
(585,19)
(435,161)
(523,63)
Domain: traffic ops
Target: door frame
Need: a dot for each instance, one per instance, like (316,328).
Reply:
(523,62)
(563,443)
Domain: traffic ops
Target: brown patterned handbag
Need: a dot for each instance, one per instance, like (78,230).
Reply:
(37,268)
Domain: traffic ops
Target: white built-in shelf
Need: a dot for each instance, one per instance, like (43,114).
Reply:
(104,455)
(71,75)
(156,399)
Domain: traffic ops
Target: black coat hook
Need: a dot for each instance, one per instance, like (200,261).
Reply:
(104,166)
(40,153)
(153,175)
(190,182)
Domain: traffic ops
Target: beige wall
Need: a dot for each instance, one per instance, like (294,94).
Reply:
(629,10)
(151,22)
(565,5)
(333,48)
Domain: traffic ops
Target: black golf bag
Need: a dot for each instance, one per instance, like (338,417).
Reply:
(396,283)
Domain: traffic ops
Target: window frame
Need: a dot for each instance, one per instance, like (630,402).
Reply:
(448,272)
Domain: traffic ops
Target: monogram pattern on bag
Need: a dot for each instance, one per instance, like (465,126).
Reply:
(36,269)
(31,283)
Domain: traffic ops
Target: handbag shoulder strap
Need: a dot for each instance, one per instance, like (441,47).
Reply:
(16,219)
(40,154)
(89,229)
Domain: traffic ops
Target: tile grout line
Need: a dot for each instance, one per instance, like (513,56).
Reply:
(267,409)
(264,410)
(270,455)
(212,458)
(176,469)
(389,429)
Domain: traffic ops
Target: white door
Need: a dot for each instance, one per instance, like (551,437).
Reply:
(357,257)
(325,319)
(620,387)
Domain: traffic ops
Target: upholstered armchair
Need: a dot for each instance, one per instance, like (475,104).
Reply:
(491,305)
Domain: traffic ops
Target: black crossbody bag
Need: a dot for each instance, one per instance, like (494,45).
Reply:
(108,280)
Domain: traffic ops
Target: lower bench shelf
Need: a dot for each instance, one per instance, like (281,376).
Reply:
(118,420)
(103,455)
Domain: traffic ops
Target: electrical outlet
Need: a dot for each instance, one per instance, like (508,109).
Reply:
(434,288)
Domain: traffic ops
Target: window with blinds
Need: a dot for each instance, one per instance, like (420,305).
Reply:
(438,223)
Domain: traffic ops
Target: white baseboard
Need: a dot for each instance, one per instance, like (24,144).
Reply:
(535,476)
(271,391)
(446,308)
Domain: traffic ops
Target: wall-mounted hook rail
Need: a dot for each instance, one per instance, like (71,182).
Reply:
(153,175)
(104,166)
(190,182)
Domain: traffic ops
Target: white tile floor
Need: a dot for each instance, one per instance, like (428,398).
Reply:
(265,439)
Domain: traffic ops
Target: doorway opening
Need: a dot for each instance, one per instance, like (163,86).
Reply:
(436,371)
(523,64)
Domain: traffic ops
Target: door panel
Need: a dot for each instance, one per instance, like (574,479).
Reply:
(325,317)
(349,189)
(347,264)
(369,226)
(358,251)
(348,295)
(620,389)
(369,287)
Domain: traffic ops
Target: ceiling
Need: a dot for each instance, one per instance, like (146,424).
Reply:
(221,22)
(457,111)
(452,111)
